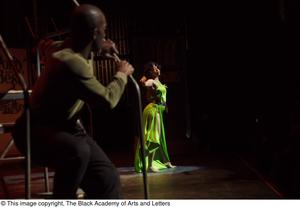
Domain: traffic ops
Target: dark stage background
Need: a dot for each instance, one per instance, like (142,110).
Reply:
(231,69)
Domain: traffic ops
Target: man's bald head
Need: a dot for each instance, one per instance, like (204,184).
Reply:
(85,18)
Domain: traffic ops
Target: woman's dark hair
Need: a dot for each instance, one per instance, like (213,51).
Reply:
(148,68)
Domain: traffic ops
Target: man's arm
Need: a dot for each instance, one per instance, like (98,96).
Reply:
(90,89)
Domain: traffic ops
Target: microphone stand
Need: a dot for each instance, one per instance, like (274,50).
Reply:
(25,89)
(141,129)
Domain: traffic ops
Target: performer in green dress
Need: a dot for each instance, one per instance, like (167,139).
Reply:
(156,152)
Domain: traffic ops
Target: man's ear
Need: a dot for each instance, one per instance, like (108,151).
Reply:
(95,33)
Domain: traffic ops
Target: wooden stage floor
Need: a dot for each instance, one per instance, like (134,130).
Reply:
(197,176)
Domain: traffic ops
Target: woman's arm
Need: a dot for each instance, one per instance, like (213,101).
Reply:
(149,83)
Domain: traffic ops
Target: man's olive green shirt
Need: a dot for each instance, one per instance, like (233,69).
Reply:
(66,84)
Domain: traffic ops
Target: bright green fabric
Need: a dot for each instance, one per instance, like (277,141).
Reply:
(153,121)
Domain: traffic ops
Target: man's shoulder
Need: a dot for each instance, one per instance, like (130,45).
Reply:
(74,61)
(68,55)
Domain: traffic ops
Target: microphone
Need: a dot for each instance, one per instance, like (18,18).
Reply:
(116,57)
(112,56)
(108,50)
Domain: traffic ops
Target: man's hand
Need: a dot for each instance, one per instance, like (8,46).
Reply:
(124,67)
(108,48)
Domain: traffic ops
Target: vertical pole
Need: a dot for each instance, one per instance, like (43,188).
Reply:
(141,133)
(141,130)
(35,16)
(188,132)
(28,148)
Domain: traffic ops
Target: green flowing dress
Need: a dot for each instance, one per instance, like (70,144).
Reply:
(154,132)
